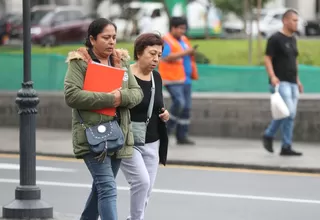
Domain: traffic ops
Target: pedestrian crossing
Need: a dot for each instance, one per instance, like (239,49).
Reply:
(14,166)
(179,192)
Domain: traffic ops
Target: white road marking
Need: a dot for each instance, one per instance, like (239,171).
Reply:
(180,192)
(11,166)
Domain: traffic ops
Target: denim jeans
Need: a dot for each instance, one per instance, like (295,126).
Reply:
(102,200)
(180,109)
(290,94)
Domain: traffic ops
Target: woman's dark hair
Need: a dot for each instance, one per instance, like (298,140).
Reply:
(96,27)
(145,40)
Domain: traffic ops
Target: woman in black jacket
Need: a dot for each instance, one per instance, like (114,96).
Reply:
(148,125)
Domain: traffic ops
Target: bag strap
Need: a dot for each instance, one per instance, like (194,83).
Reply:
(79,117)
(150,108)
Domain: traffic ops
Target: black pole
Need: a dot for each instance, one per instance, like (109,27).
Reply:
(27,203)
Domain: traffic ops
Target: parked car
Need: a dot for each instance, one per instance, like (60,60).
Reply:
(313,28)
(270,21)
(130,20)
(53,25)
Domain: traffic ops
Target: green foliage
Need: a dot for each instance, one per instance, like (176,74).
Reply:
(201,58)
(214,51)
(226,6)
(236,6)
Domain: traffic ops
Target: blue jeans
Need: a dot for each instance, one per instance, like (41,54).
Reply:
(102,200)
(290,94)
(180,109)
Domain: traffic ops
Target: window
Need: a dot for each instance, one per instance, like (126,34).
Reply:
(75,15)
(38,15)
(156,13)
(47,19)
(39,2)
(277,16)
(62,2)
(60,17)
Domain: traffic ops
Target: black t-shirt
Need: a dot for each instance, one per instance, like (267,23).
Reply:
(284,52)
(139,112)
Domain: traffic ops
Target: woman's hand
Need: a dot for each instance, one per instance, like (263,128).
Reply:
(165,115)
(117,97)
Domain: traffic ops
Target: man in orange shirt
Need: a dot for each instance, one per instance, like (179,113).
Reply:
(178,68)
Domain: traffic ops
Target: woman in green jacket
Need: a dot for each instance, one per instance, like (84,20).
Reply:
(100,48)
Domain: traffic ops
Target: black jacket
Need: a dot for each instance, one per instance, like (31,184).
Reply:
(164,141)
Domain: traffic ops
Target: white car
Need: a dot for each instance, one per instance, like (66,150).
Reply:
(136,11)
(270,22)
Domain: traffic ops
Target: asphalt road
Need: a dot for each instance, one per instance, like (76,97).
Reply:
(185,193)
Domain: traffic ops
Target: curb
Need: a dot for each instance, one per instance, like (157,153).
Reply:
(245,166)
(201,163)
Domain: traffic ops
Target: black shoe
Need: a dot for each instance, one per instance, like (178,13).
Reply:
(268,143)
(185,141)
(287,151)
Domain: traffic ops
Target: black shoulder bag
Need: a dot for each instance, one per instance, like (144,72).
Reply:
(139,129)
(103,138)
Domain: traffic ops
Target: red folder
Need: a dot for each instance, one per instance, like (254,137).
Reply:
(103,78)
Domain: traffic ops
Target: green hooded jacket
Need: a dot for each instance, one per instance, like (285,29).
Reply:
(85,101)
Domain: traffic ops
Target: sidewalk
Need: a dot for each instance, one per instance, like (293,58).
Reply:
(207,151)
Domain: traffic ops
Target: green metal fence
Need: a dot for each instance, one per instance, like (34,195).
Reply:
(48,72)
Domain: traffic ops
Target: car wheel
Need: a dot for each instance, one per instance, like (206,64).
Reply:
(48,41)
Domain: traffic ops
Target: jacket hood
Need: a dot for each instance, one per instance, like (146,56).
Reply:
(120,57)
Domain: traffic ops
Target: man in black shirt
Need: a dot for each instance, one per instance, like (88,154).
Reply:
(282,67)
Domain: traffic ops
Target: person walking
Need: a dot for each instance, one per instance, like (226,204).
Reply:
(100,48)
(148,125)
(178,68)
(282,67)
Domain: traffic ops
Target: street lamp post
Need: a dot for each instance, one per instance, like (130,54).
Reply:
(27,203)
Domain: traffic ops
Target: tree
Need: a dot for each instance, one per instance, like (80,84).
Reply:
(236,6)
(259,6)
(243,9)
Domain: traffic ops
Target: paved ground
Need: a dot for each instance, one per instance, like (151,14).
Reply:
(180,192)
(208,151)
(56,216)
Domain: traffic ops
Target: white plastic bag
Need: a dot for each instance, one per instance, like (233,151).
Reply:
(279,109)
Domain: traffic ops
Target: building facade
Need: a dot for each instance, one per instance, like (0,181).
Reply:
(308,9)
(15,6)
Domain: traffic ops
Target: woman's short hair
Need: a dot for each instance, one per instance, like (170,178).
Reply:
(96,27)
(145,40)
